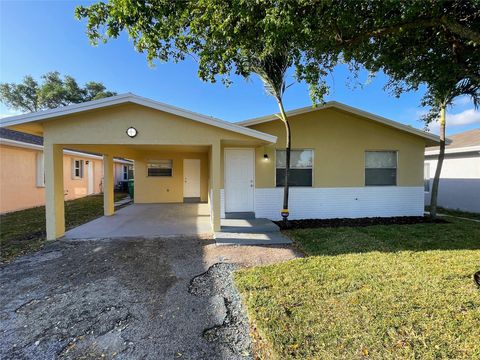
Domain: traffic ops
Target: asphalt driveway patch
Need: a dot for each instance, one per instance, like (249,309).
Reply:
(116,298)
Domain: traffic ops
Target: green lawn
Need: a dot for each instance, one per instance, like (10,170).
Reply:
(378,292)
(23,231)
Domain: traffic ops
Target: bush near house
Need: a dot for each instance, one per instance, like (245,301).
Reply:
(379,292)
(23,231)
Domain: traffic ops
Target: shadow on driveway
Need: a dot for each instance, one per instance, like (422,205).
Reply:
(116,298)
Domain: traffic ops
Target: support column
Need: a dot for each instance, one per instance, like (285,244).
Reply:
(215,183)
(54,193)
(108,184)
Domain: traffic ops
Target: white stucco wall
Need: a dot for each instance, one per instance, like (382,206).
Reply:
(459,181)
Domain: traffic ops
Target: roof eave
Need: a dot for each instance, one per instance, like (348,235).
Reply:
(350,109)
(135,99)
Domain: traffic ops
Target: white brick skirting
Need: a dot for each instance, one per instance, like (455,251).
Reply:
(346,202)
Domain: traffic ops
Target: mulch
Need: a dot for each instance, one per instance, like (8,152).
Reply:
(369,221)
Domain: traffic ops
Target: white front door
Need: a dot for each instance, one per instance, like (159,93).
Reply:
(90,178)
(191,178)
(239,180)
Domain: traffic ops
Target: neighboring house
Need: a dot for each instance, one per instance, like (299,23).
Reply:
(459,186)
(345,162)
(22,172)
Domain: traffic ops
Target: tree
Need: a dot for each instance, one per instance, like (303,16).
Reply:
(29,95)
(432,43)
(226,38)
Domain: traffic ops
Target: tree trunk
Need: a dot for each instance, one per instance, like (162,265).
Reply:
(441,156)
(288,138)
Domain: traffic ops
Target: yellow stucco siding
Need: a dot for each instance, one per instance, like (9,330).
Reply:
(159,189)
(339,140)
(108,126)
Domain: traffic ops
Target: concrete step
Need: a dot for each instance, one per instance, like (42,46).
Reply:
(271,238)
(240,215)
(248,226)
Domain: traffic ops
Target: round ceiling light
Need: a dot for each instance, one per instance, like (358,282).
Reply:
(132,132)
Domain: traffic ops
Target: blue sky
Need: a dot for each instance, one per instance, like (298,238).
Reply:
(41,36)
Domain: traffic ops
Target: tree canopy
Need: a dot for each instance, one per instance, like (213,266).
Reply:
(52,92)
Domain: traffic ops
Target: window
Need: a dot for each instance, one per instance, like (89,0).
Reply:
(380,168)
(77,169)
(301,168)
(40,177)
(125,172)
(426,177)
(160,168)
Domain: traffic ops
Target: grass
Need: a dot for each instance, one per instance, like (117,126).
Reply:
(459,213)
(24,231)
(377,292)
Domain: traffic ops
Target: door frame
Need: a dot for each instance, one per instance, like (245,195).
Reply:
(199,178)
(252,150)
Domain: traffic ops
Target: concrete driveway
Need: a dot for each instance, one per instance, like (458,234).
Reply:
(127,298)
(147,220)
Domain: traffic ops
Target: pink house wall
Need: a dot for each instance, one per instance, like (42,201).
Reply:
(18,178)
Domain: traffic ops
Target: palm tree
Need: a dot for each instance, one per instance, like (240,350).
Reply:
(272,70)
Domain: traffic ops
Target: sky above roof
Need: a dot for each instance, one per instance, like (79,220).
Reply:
(41,36)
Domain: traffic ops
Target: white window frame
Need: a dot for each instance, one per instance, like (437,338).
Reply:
(295,149)
(40,170)
(159,161)
(365,167)
(426,177)
(81,168)
(124,172)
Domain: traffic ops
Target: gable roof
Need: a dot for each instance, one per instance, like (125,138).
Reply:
(134,99)
(14,135)
(347,108)
(466,141)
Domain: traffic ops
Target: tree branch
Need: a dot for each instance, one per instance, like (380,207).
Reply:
(453,26)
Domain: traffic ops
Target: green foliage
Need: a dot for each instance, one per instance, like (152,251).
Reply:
(378,292)
(431,42)
(53,92)
(225,37)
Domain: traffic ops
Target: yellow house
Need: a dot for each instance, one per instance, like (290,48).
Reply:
(22,180)
(345,162)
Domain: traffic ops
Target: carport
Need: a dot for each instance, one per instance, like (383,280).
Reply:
(161,140)
(148,220)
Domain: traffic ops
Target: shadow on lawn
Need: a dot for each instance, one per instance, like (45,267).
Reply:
(455,234)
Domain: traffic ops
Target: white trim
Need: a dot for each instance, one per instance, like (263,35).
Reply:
(20,144)
(465,149)
(344,202)
(131,98)
(25,145)
(347,108)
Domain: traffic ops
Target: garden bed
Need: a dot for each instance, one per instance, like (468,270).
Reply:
(354,222)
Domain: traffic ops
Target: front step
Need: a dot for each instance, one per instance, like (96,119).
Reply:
(271,238)
(240,215)
(250,226)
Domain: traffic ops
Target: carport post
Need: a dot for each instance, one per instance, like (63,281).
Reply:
(108,184)
(54,193)
(215,183)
